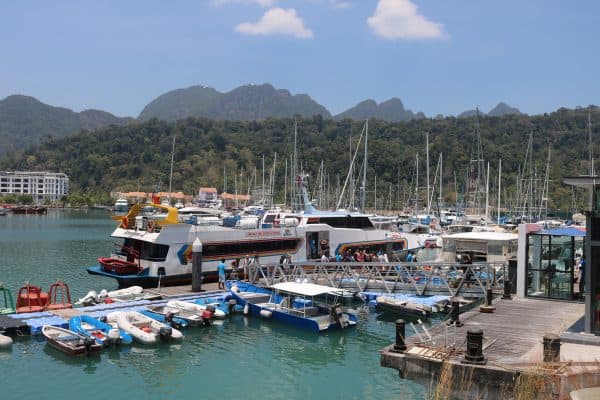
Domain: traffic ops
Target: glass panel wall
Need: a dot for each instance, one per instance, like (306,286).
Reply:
(551,266)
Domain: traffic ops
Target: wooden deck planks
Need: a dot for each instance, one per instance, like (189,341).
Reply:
(513,330)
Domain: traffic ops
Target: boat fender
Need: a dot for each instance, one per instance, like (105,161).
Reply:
(5,342)
(266,313)
(165,332)
(246,309)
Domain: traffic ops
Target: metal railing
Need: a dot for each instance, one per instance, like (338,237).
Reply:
(422,278)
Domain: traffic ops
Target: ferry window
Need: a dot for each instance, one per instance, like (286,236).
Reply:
(495,248)
(228,249)
(155,252)
(398,246)
(347,222)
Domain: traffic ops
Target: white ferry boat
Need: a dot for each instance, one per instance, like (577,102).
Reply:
(161,245)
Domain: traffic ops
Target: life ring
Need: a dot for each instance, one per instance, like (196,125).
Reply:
(125,222)
(150,227)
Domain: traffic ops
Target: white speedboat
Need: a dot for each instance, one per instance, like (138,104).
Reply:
(195,308)
(143,329)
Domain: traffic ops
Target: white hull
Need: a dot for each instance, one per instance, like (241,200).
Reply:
(143,329)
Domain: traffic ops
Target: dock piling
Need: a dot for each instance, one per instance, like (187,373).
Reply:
(474,347)
(400,345)
(551,347)
(197,266)
(454,314)
(507,287)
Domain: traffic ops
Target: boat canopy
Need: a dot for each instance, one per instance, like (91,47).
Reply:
(306,289)
(566,231)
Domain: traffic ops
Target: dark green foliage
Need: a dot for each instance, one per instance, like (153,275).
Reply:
(137,156)
(391,110)
(25,121)
(245,103)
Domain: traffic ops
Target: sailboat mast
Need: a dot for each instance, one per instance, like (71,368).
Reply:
(592,172)
(487,193)
(499,187)
(171,173)
(364,180)
(427,157)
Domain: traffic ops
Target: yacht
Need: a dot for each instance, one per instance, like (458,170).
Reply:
(121,206)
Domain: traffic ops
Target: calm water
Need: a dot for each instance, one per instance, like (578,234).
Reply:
(241,357)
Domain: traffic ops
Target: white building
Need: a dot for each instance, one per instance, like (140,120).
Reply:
(41,186)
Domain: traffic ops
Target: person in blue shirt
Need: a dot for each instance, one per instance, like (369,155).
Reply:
(221,272)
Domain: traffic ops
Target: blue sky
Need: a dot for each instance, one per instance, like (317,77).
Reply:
(437,56)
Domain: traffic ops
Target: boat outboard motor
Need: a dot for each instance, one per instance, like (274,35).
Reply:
(171,321)
(207,315)
(165,332)
(89,299)
(338,316)
(231,305)
(114,336)
(88,342)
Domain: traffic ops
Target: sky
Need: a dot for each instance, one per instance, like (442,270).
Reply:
(438,57)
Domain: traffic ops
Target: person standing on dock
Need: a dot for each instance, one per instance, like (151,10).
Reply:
(221,272)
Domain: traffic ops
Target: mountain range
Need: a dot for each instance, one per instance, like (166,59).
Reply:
(25,120)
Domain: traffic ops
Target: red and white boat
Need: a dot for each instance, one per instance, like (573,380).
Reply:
(118,266)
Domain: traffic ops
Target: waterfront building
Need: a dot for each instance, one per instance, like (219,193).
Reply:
(42,186)
(207,195)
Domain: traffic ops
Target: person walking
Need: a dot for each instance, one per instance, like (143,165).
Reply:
(221,271)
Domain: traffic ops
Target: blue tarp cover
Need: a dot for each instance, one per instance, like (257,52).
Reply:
(567,231)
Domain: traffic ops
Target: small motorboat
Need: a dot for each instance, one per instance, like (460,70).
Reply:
(400,306)
(103,333)
(303,305)
(118,266)
(193,318)
(128,294)
(143,328)
(197,308)
(70,342)
(166,316)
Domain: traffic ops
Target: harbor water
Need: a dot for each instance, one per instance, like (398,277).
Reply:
(238,357)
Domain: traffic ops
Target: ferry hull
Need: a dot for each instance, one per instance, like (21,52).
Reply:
(147,281)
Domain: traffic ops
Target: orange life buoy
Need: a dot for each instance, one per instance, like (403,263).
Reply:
(125,222)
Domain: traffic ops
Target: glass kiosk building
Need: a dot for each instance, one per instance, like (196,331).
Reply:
(592,251)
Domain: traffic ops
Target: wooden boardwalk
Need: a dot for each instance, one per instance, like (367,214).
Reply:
(511,334)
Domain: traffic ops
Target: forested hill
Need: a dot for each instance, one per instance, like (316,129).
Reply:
(391,110)
(245,103)
(137,156)
(25,120)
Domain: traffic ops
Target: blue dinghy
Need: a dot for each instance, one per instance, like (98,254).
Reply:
(103,333)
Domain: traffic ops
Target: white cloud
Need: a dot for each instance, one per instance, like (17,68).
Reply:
(262,3)
(277,21)
(339,4)
(399,19)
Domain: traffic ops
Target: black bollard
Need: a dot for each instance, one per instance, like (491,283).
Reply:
(488,307)
(400,345)
(474,347)
(507,287)
(551,347)
(197,266)
(454,314)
